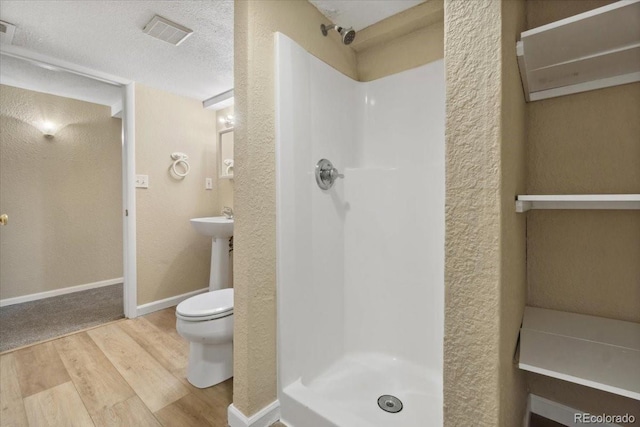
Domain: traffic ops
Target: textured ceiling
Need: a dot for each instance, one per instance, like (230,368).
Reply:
(27,75)
(360,14)
(107,36)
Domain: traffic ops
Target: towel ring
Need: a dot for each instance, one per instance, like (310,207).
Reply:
(178,159)
(229,164)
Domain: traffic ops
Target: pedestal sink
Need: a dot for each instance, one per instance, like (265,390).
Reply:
(220,229)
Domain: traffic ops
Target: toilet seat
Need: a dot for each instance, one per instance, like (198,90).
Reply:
(207,306)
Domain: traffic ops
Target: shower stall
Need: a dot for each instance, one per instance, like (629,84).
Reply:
(360,274)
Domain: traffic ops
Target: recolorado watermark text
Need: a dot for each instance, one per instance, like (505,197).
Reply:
(587,418)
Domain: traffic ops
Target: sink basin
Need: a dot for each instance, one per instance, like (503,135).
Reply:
(218,227)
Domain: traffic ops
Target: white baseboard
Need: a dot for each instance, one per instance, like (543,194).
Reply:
(557,412)
(150,307)
(263,418)
(56,292)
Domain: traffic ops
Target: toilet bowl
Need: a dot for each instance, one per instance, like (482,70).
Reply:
(206,320)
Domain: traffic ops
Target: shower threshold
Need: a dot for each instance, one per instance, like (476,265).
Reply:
(347,393)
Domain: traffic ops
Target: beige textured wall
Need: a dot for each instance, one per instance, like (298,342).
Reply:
(583,261)
(401,42)
(472,236)
(485,240)
(254,252)
(172,257)
(63,195)
(225,186)
(403,53)
(513,280)
(541,12)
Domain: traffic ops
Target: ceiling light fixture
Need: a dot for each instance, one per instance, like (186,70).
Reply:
(220,101)
(168,31)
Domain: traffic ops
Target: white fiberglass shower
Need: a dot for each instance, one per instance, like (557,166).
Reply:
(360,265)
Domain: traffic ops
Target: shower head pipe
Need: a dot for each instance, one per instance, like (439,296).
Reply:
(347,34)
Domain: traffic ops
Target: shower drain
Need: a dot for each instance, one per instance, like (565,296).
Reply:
(389,403)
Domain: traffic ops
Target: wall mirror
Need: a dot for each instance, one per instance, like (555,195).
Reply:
(225,150)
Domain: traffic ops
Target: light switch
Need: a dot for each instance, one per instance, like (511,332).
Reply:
(208,184)
(142,181)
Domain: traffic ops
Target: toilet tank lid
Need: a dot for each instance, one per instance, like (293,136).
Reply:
(207,304)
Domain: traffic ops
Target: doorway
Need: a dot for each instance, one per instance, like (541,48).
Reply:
(67,162)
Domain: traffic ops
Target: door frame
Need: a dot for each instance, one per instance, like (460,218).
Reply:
(128,161)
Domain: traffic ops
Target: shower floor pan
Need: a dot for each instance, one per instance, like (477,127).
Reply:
(346,394)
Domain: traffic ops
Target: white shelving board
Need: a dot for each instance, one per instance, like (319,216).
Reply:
(592,50)
(577,201)
(592,351)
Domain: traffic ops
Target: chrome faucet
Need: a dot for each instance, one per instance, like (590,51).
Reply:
(227,212)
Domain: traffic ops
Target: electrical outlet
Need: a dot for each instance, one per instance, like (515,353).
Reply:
(142,181)
(208,184)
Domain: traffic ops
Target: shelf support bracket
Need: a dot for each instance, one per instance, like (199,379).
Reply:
(522,206)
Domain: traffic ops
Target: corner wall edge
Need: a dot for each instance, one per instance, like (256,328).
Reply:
(263,418)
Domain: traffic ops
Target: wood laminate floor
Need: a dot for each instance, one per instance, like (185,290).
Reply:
(128,373)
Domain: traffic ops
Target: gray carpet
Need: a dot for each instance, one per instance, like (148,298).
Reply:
(34,321)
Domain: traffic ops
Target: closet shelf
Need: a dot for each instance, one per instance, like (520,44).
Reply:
(592,351)
(592,50)
(577,201)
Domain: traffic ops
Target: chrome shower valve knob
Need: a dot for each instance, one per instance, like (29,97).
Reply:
(326,174)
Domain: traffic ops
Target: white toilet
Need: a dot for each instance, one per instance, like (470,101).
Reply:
(206,320)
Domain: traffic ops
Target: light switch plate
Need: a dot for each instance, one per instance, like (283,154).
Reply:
(142,181)
(208,184)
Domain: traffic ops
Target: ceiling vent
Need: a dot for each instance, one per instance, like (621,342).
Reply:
(7,31)
(166,30)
